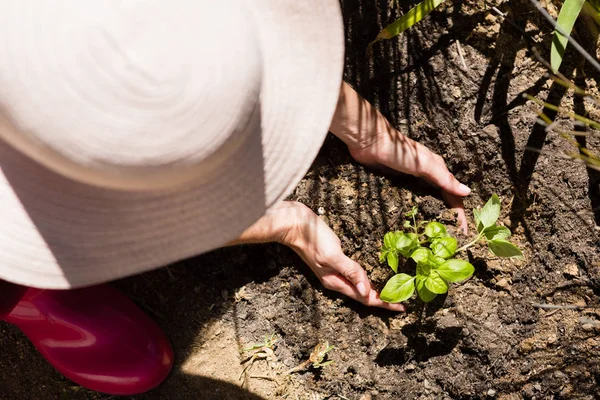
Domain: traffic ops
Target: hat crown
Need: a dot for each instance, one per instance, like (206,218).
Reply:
(136,94)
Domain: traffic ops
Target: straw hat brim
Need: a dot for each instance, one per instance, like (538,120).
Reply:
(58,233)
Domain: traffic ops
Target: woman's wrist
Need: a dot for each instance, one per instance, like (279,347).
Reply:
(279,224)
(356,122)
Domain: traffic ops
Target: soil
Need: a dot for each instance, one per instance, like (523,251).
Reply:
(485,339)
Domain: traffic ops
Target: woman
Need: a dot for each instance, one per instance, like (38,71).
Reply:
(136,134)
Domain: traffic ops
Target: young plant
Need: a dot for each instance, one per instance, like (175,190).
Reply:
(433,251)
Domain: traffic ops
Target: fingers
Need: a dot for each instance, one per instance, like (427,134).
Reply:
(435,171)
(439,176)
(345,287)
(353,273)
(456,203)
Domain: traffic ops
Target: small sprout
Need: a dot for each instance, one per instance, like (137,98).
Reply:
(413,212)
(262,351)
(436,267)
(268,342)
(319,353)
(316,358)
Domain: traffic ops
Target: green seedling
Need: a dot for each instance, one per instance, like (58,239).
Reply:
(433,250)
(316,358)
(260,351)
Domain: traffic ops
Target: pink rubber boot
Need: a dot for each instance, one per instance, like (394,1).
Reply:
(95,336)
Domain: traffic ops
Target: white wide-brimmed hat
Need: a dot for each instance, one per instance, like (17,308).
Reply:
(137,133)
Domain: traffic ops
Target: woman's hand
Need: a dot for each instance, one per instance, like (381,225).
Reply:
(321,250)
(295,225)
(393,150)
(373,141)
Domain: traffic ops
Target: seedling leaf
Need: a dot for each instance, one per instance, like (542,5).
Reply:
(476,216)
(504,248)
(412,212)
(497,232)
(423,269)
(421,255)
(435,283)
(455,270)
(383,255)
(389,241)
(399,288)
(444,247)
(566,20)
(434,230)
(425,294)
(406,243)
(436,261)
(392,260)
(490,212)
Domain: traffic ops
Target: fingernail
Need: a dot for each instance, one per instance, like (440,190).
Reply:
(464,188)
(362,289)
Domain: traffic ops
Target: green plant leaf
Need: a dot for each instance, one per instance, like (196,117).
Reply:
(592,9)
(400,287)
(444,247)
(425,294)
(383,255)
(496,232)
(414,15)
(435,283)
(406,225)
(423,269)
(566,20)
(421,255)
(414,210)
(477,217)
(389,241)
(504,248)
(455,270)
(436,261)
(392,260)
(490,212)
(434,230)
(406,243)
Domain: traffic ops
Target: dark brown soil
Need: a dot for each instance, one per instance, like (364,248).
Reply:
(484,339)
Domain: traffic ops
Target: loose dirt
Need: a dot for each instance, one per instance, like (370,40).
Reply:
(485,339)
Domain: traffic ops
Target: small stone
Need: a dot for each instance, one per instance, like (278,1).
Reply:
(537,387)
(587,327)
(365,396)
(527,345)
(491,131)
(321,210)
(503,283)
(491,393)
(560,375)
(410,367)
(490,19)
(571,270)
(456,93)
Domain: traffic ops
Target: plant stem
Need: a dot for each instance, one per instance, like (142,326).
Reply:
(466,246)
(415,224)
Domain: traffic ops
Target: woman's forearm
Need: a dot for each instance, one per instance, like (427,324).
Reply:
(356,122)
